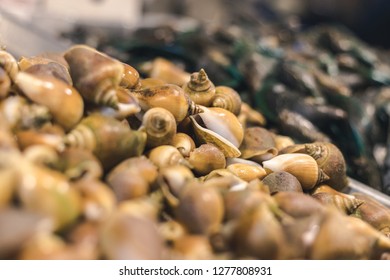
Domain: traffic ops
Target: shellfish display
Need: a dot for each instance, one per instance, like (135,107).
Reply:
(190,171)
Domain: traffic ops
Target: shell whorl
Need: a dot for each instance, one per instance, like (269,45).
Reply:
(9,64)
(81,137)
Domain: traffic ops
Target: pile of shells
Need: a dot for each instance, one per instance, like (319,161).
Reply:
(97,162)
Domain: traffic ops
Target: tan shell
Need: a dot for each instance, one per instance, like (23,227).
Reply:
(5,84)
(206,158)
(184,143)
(302,166)
(9,64)
(166,155)
(219,127)
(64,101)
(258,144)
(200,89)
(227,98)
(247,172)
(94,74)
(170,97)
(250,117)
(130,77)
(151,82)
(159,125)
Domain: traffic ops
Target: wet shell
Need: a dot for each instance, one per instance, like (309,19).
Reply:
(227,98)
(206,158)
(63,101)
(130,77)
(159,125)
(94,74)
(9,64)
(258,144)
(110,140)
(169,97)
(166,155)
(200,89)
(219,127)
(302,166)
(184,143)
(164,69)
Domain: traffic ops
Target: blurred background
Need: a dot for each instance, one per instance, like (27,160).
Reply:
(50,19)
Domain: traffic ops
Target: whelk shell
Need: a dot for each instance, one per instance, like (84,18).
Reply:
(219,127)
(302,166)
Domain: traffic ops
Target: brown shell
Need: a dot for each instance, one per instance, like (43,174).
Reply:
(227,98)
(199,88)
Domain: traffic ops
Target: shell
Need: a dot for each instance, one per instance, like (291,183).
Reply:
(282,182)
(9,64)
(64,102)
(298,204)
(282,141)
(227,98)
(148,207)
(206,158)
(330,159)
(130,77)
(48,135)
(132,178)
(121,235)
(5,84)
(169,97)
(172,180)
(345,237)
(166,155)
(199,88)
(159,125)
(259,234)
(200,209)
(8,183)
(164,69)
(94,74)
(17,113)
(77,163)
(184,143)
(219,127)
(302,166)
(373,213)
(41,155)
(347,204)
(245,169)
(192,247)
(258,144)
(110,140)
(98,199)
(48,192)
(45,67)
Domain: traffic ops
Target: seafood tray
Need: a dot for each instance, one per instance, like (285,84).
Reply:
(96,158)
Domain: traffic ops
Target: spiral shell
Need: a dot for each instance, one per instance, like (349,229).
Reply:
(200,89)
(247,170)
(159,125)
(282,182)
(169,97)
(94,74)
(219,127)
(110,140)
(9,64)
(302,166)
(184,143)
(227,98)
(166,155)
(64,101)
